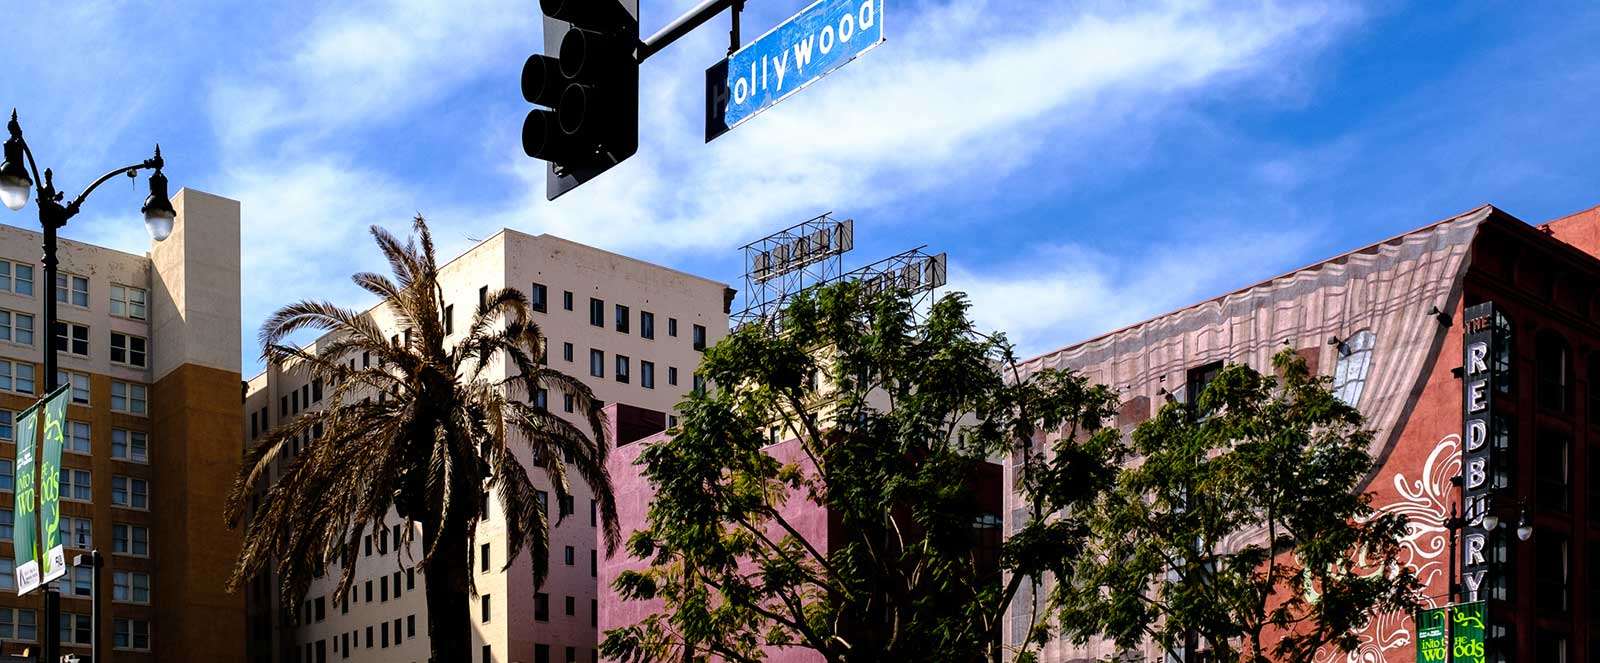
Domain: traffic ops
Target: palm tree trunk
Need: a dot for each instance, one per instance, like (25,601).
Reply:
(445,582)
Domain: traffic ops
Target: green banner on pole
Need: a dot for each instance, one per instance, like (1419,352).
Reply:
(53,564)
(1433,635)
(24,544)
(1467,626)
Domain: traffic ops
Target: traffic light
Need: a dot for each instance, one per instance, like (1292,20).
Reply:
(588,86)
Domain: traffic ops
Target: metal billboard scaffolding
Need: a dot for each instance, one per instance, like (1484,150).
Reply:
(809,255)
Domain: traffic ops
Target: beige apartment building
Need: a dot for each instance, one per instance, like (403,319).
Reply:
(632,331)
(151,352)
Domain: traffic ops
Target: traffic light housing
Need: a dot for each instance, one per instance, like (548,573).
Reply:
(587,83)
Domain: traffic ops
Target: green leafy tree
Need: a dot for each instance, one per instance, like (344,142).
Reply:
(891,419)
(427,430)
(1241,524)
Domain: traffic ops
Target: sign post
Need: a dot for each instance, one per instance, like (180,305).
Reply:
(821,38)
(1478,462)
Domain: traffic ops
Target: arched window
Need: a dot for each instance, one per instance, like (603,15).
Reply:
(1354,362)
(1553,372)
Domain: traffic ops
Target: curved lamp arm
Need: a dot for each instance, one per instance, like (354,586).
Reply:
(153,163)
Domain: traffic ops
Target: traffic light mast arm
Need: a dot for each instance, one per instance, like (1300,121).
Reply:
(694,18)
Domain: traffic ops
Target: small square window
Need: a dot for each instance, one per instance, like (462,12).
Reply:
(536,297)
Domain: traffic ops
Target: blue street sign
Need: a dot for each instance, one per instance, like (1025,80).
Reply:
(818,40)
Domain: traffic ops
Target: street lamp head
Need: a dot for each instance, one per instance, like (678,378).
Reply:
(1524,528)
(1490,522)
(158,212)
(14,181)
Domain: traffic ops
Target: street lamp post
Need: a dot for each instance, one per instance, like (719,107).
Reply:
(16,183)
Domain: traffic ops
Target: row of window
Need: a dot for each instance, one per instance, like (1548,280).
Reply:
(541,654)
(126,301)
(623,317)
(77,486)
(344,643)
(541,608)
(78,533)
(21,624)
(73,338)
(126,397)
(127,445)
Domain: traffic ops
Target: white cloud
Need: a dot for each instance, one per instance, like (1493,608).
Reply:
(964,91)
(1060,294)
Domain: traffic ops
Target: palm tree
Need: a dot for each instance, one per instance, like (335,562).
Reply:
(427,431)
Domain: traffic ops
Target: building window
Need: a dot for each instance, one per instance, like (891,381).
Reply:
(128,302)
(130,587)
(647,374)
(572,606)
(622,318)
(570,556)
(647,324)
(131,634)
(1199,378)
(81,581)
(76,629)
(7,475)
(1553,368)
(541,607)
(16,327)
(566,352)
(72,338)
(672,327)
(75,485)
(8,520)
(566,403)
(78,436)
(16,376)
(672,375)
(541,399)
(699,337)
(80,385)
(597,312)
(77,533)
(72,289)
(483,608)
(566,299)
(1354,362)
(18,624)
(483,558)
(622,369)
(483,299)
(1552,471)
(129,397)
(8,577)
(1551,573)
(449,319)
(16,277)
(130,493)
(130,445)
(536,297)
(131,540)
(594,564)
(597,363)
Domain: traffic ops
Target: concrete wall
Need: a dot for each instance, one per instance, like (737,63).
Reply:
(193,407)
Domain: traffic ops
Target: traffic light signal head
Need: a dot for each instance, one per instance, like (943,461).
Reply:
(588,88)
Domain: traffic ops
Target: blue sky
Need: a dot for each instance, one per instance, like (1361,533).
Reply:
(1085,165)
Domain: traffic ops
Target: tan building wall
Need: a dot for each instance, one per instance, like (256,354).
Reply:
(512,630)
(189,377)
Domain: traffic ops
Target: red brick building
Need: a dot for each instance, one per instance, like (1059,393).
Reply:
(1386,322)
